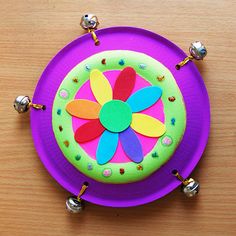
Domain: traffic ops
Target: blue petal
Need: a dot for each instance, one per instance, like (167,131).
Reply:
(144,98)
(131,145)
(106,147)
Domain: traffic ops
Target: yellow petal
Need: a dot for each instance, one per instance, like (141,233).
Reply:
(83,109)
(147,125)
(100,86)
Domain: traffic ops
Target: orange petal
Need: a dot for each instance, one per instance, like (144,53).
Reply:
(84,109)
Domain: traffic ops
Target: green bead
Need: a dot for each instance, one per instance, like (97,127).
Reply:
(154,154)
(77,157)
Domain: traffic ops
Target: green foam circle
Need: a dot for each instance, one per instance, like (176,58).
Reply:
(115,116)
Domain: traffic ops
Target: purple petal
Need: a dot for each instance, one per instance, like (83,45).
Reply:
(131,145)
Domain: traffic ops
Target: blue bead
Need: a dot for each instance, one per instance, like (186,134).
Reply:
(59,112)
(121,62)
(90,166)
(87,67)
(142,66)
(173,121)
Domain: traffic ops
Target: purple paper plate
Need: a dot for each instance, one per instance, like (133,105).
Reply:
(189,151)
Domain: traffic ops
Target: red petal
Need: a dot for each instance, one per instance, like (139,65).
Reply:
(89,131)
(124,84)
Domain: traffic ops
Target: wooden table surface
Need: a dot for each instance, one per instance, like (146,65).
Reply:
(32,203)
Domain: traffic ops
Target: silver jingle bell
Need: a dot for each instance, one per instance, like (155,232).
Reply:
(191,188)
(73,205)
(89,21)
(197,50)
(22,104)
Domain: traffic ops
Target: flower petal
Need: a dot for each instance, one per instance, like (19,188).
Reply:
(84,109)
(124,84)
(89,131)
(100,86)
(106,147)
(144,98)
(147,125)
(131,145)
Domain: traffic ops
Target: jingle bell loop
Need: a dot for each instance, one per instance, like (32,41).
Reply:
(190,187)
(75,204)
(23,103)
(90,23)
(197,52)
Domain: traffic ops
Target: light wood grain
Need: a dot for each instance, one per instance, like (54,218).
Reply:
(32,203)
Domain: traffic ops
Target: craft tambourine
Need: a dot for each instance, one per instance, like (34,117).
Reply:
(118,118)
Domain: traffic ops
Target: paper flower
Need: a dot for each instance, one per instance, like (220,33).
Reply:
(115,115)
